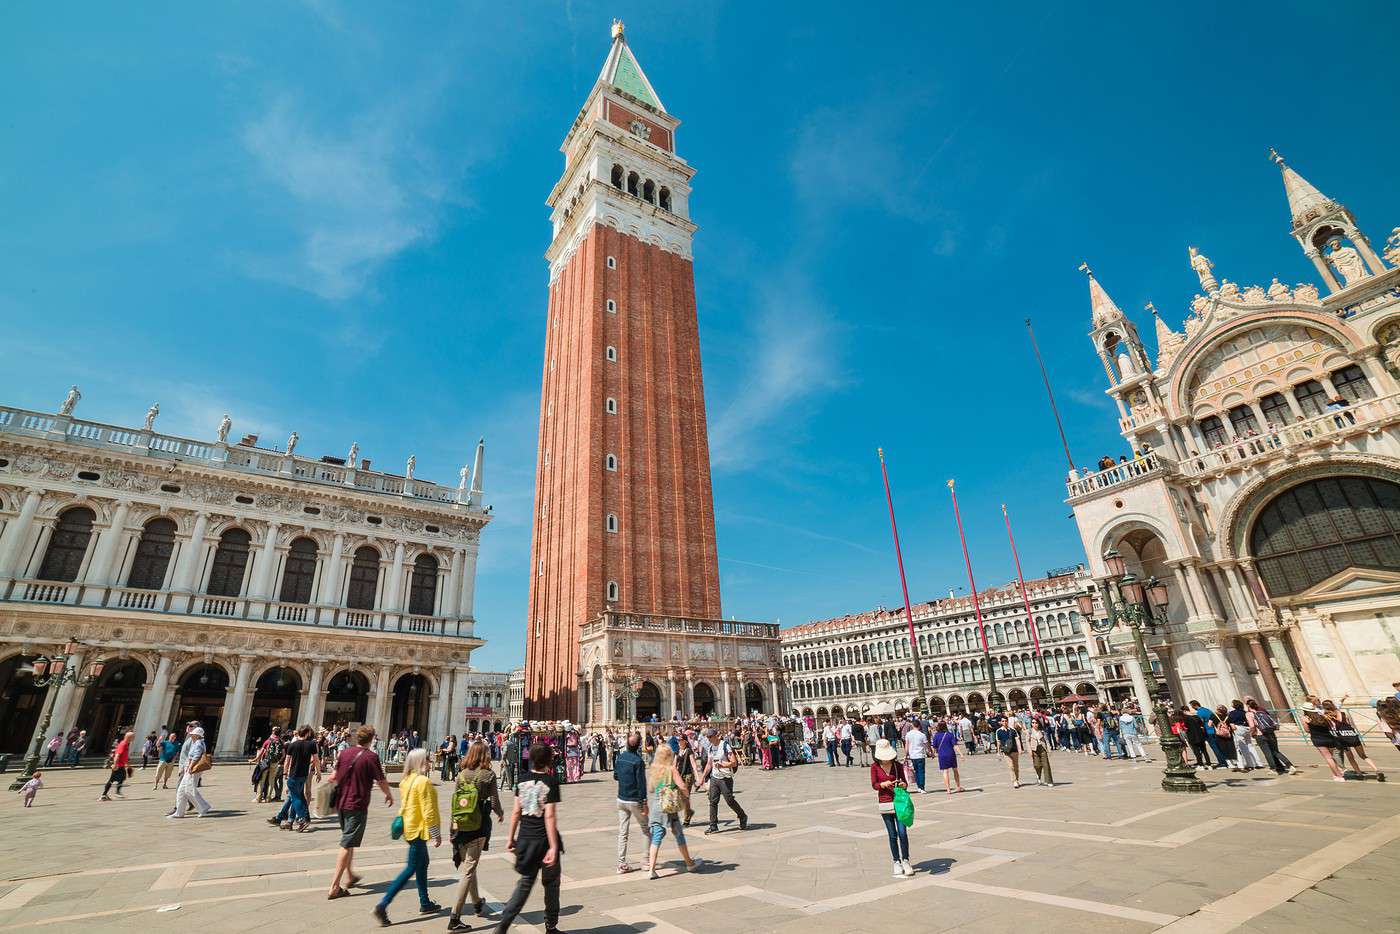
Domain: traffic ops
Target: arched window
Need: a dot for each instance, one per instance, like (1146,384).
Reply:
(649,191)
(999,633)
(617,175)
(422,592)
(364,579)
(632,180)
(1352,384)
(230,562)
(67,545)
(1311,397)
(1213,430)
(1276,409)
(1321,527)
(1243,421)
(299,573)
(610,462)
(611,522)
(612,592)
(153,555)
(665,199)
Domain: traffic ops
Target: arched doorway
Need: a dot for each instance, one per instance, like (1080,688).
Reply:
(1017,697)
(110,705)
(975,702)
(936,707)
(275,701)
(20,705)
(1038,697)
(201,697)
(648,701)
(1061,690)
(595,707)
(347,699)
(409,710)
(704,699)
(1085,689)
(956,703)
(753,699)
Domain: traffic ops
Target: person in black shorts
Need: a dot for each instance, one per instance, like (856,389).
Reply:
(534,838)
(357,771)
(299,757)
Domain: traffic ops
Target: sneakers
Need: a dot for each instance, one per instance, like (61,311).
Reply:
(103,798)
(744,822)
(455,923)
(908,868)
(431,908)
(695,865)
(651,874)
(119,793)
(713,828)
(274,822)
(623,869)
(898,870)
(381,916)
(286,825)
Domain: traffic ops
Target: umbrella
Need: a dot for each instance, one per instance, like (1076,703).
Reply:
(883,708)
(1076,699)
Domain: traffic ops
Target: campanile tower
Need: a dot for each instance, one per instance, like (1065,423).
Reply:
(624,518)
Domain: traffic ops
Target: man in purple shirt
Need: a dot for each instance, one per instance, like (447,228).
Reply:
(357,771)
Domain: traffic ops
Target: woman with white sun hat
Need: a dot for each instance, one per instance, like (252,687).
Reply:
(886,774)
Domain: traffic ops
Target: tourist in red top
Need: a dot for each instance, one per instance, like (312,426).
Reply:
(120,757)
(885,776)
(357,771)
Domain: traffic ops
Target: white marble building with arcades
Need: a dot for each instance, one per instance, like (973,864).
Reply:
(232,582)
(1263,480)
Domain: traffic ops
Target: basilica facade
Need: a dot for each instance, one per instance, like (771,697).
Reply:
(1263,483)
(232,583)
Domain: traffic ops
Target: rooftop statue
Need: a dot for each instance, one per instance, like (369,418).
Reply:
(69,401)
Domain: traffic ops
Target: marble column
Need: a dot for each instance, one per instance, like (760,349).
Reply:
(155,700)
(1266,672)
(329,596)
(466,605)
(262,588)
(725,696)
(393,587)
(381,698)
(315,697)
(188,563)
(669,709)
(457,720)
(1355,685)
(1220,664)
(1291,684)
(776,700)
(437,709)
(17,533)
(65,710)
(237,708)
(99,572)
(689,693)
(452,599)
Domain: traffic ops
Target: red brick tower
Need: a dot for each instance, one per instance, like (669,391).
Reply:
(624,517)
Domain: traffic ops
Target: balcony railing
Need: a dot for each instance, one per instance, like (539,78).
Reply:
(239,608)
(1147,465)
(233,456)
(1365,416)
(717,627)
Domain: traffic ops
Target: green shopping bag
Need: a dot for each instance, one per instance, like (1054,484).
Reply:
(903,807)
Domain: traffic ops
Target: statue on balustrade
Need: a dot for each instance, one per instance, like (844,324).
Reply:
(462,478)
(353,455)
(412,463)
(70,401)
(151,414)
(1202,266)
(225,424)
(292,443)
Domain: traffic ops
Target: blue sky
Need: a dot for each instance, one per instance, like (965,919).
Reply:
(330,218)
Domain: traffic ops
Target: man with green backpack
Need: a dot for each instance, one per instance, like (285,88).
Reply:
(474,794)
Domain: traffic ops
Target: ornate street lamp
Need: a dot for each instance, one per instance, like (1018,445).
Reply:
(53,674)
(1142,605)
(629,691)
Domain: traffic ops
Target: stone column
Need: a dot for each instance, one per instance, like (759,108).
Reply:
(1220,663)
(689,693)
(237,708)
(1266,672)
(17,533)
(467,602)
(1323,269)
(262,588)
(437,709)
(452,599)
(315,697)
(155,700)
(1291,683)
(1184,588)
(1355,685)
(457,717)
(330,580)
(777,699)
(725,697)
(1207,609)
(99,572)
(379,701)
(188,564)
(64,708)
(1140,692)
(393,587)
(669,708)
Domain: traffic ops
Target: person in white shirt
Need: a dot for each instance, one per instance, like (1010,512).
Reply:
(846,741)
(965,733)
(915,750)
(829,741)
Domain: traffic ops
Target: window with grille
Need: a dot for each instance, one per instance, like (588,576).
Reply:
(1243,421)
(230,563)
(1312,398)
(1276,409)
(1213,430)
(364,579)
(299,572)
(67,545)
(153,553)
(1352,383)
(422,594)
(1318,528)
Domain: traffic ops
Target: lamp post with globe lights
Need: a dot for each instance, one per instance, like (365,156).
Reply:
(53,673)
(1141,605)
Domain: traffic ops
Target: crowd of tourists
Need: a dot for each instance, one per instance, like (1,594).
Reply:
(659,768)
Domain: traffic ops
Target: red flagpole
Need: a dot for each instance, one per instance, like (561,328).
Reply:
(1030,620)
(899,557)
(976,606)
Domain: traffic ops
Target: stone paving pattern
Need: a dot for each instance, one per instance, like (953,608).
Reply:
(1105,850)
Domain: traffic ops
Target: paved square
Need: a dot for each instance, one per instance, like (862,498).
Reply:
(1106,850)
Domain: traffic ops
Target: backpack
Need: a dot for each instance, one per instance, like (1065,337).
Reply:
(1265,721)
(466,805)
(274,752)
(1110,722)
(669,796)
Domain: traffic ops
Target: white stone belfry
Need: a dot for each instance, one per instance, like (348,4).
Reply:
(1320,222)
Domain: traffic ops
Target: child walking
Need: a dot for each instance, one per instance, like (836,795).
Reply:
(31,788)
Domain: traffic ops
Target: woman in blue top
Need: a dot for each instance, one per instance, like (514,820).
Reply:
(945,744)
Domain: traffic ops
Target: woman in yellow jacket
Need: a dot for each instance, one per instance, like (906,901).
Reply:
(418,806)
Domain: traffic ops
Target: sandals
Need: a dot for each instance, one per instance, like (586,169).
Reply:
(354,879)
(340,892)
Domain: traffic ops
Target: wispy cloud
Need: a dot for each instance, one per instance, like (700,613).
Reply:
(794,357)
(352,196)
